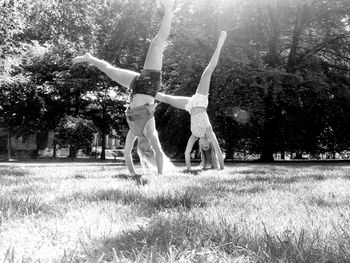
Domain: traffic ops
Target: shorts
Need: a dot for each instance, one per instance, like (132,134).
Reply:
(148,82)
(197,100)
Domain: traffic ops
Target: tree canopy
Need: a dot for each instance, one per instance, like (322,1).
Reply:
(286,62)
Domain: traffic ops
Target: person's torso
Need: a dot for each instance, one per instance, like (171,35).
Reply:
(141,99)
(199,121)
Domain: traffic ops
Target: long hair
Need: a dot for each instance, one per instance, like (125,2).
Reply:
(148,156)
(146,153)
(209,157)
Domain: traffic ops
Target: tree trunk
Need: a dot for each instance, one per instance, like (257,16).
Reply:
(229,153)
(54,155)
(228,134)
(267,154)
(333,155)
(104,132)
(268,135)
(73,152)
(9,145)
(299,27)
(283,155)
(103,145)
(268,139)
(299,155)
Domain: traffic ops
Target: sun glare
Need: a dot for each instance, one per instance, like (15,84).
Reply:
(346,20)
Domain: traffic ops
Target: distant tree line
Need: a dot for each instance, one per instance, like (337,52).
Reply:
(286,62)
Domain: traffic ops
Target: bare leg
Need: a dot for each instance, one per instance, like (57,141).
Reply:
(154,56)
(152,134)
(175,101)
(188,151)
(203,87)
(123,76)
(129,143)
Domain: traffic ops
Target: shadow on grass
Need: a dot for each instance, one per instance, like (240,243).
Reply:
(207,189)
(327,202)
(12,171)
(254,189)
(232,186)
(346,177)
(136,178)
(188,198)
(12,207)
(282,176)
(273,179)
(188,236)
(193,172)
(256,181)
(80,176)
(178,231)
(286,179)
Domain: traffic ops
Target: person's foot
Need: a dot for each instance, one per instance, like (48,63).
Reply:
(167,5)
(85,58)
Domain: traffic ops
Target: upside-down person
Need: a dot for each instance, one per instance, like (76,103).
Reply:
(144,86)
(196,105)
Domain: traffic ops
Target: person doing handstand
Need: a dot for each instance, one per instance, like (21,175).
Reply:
(144,86)
(197,107)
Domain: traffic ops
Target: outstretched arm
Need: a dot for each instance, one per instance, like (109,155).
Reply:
(203,87)
(188,150)
(123,76)
(212,137)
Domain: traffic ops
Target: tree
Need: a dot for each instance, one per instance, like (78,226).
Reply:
(77,134)
(11,26)
(21,109)
(289,42)
(286,62)
(106,110)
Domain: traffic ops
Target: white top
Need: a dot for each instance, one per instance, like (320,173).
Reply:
(199,124)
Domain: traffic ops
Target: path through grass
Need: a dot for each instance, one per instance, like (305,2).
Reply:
(245,213)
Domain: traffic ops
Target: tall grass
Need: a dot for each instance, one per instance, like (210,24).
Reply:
(245,213)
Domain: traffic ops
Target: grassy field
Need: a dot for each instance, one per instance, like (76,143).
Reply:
(245,213)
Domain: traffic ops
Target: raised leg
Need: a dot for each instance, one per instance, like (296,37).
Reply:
(123,76)
(204,84)
(154,56)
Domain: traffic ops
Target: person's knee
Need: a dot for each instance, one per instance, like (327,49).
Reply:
(206,76)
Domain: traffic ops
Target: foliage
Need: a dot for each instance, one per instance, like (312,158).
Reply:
(77,134)
(286,62)
(106,110)
(21,108)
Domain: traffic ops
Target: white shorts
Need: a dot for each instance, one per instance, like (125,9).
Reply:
(197,100)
